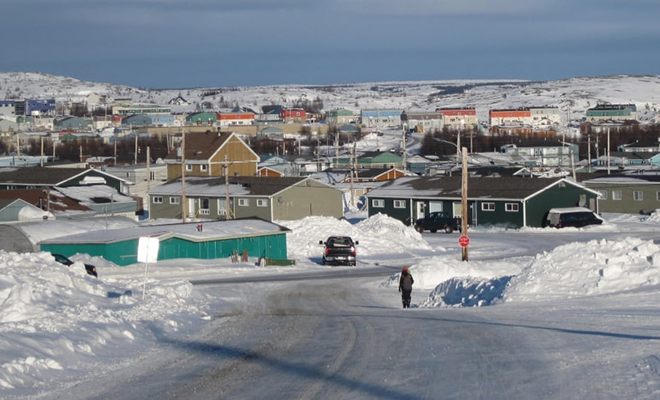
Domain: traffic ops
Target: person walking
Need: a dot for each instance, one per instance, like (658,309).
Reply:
(405,286)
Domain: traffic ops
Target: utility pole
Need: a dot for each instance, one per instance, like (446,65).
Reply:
(136,148)
(183,175)
(351,171)
(464,202)
(589,150)
(148,169)
(42,152)
(225,168)
(458,148)
(18,149)
(404,155)
(608,151)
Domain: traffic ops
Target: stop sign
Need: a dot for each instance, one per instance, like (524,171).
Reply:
(464,241)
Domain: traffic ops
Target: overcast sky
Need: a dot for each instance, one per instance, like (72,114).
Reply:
(193,43)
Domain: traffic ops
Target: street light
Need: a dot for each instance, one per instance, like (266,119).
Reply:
(458,148)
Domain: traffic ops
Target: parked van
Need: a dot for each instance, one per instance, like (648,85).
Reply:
(576,217)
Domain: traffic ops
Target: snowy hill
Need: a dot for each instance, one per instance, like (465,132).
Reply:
(574,96)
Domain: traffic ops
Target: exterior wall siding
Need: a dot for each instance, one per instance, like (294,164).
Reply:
(125,253)
(499,216)
(628,204)
(298,202)
(402,214)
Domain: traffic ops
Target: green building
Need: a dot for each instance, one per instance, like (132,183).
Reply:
(202,118)
(207,240)
(511,202)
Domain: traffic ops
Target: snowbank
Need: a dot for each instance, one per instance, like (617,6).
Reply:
(581,269)
(378,234)
(572,270)
(53,317)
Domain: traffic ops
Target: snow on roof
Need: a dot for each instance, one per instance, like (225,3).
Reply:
(88,195)
(210,230)
(43,230)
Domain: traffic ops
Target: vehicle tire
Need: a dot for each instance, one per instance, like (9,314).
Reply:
(449,229)
(419,228)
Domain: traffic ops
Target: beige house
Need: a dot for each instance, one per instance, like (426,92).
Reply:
(208,153)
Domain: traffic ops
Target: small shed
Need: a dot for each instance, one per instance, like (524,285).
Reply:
(207,240)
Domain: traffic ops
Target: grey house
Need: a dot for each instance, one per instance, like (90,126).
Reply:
(511,202)
(267,198)
(627,193)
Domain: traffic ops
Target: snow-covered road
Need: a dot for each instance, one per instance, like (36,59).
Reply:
(349,339)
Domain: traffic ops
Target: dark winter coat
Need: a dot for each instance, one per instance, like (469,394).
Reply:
(406,281)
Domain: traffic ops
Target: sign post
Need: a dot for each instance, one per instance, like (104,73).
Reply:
(464,241)
(147,252)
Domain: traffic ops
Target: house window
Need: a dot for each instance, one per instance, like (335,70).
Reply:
(243,202)
(158,199)
(188,167)
(379,203)
(204,207)
(399,204)
(603,194)
(175,200)
(616,195)
(262,203)
(511,207)
(222,207)
(487,206)
(203,167)
(638,195)
(657,196)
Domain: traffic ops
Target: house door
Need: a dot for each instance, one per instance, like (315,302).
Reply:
(191,208)
(421,210)
(457,210)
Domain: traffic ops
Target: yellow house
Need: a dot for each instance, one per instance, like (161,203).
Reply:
(208,153)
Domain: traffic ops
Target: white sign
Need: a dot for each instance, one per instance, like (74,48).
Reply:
(148,249)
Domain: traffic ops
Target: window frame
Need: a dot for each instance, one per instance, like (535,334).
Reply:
(157,199)
(262,202)
(617,195)
(511,207)
(399,204)
(175,200)
(378,203)
(243,202)
(638,195)
(488,206)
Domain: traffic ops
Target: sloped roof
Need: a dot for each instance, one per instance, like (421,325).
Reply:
(44,176)
(450,187)
(213,230)
(239,185)
(201,145)
(375,172)
(35,197)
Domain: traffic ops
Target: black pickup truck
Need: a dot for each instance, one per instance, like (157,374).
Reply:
(339,250)
(437,221)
